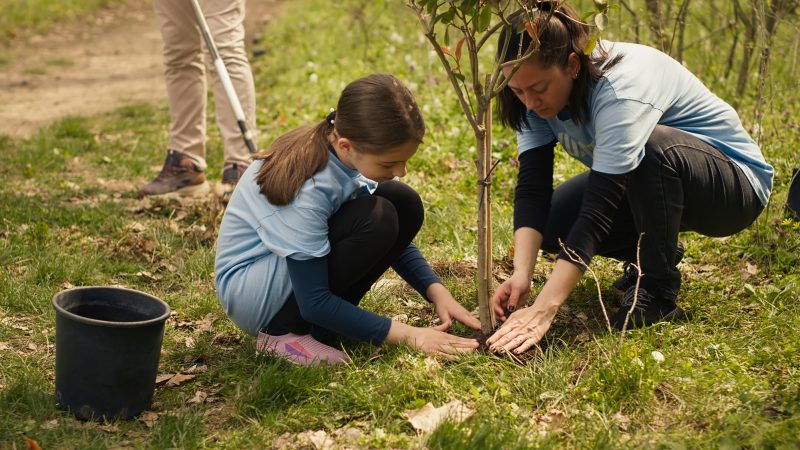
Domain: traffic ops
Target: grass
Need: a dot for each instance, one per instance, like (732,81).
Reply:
(70,217)
(24,16)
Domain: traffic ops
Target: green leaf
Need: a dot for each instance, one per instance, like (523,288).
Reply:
(590,45)
(460,76)
(485,18)
(601,20)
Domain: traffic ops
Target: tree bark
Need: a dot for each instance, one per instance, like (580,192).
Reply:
(484,141)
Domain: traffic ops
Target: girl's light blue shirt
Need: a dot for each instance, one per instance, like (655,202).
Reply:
(256,237)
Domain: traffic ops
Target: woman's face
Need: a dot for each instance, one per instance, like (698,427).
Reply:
(544,91)
(387,165)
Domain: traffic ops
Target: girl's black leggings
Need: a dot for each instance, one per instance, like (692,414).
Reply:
(367,235)
(681,184)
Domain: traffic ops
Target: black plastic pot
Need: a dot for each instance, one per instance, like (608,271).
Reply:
(108,341)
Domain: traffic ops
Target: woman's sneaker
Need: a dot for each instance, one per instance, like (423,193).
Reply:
(650,308)
(303,350)
(630,274)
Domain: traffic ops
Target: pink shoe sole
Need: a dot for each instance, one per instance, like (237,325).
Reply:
(298,349)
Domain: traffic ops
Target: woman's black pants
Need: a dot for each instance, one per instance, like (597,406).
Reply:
(681,184)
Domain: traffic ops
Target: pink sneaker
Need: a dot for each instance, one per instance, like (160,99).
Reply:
(303,350)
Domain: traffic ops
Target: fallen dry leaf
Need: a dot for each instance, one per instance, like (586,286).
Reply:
(4,346)
(207,324)
(202,368)
(32,347)
(319,439)
(189,341)
(748,271)
(67,285)
(428,417)
(554,419)
(164,377)
(136,227)
(31,444)
(178,379)
(50,424)
(149,419)
(199,397)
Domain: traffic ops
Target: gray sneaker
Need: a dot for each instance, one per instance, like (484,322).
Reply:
(180,175)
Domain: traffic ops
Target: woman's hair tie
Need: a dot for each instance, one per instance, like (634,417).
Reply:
(331,117)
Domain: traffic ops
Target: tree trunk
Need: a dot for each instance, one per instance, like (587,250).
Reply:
(485,223)
(751,28)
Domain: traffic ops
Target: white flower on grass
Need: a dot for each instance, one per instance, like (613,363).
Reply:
(455,131)
(396,38)
(313,78)
(657,356)
(311,64)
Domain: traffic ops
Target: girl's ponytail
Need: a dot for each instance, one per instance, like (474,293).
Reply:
(292,159)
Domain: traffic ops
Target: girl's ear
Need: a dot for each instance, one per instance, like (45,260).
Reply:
(345,146)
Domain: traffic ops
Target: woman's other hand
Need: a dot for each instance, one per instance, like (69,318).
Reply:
(511,294)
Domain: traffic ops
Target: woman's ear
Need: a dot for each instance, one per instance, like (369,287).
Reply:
(573,65)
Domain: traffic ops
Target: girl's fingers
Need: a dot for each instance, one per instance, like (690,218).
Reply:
(467,319)
(443,327)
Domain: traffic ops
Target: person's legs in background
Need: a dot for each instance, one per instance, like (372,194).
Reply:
(226,21)
(184,73)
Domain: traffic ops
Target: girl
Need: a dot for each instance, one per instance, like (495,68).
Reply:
(664,153)
(318,218)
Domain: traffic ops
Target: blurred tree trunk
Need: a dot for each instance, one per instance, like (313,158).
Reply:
(750,22)
(658,20)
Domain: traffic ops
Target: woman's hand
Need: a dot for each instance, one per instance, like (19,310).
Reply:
(448,309)
(430,340)
(524,328)
(527,326)
(511,294)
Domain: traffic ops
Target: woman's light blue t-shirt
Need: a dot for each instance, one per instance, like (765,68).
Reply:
(646,88)
(256,237)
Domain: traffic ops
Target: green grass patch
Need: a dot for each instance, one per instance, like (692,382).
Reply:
(69,215)
(41,15)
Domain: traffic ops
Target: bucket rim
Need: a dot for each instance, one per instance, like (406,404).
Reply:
(108,323)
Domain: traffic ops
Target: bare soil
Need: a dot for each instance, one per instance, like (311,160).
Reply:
(92,65)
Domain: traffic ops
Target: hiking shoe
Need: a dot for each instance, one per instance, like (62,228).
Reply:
(180,175)
(298,349)
(630,274)
(230,177)
(651,307)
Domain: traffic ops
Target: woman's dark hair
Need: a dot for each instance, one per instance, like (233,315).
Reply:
(561,33)
(375,113)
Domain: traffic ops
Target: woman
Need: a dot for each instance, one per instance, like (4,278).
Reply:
(664,155)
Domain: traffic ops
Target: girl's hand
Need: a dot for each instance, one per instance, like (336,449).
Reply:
(511,294)
(448,309)
(524,328)
(435,340)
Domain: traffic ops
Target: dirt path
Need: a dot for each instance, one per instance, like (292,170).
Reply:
(92,65)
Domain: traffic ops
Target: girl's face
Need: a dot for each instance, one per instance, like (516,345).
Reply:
(390,163)
(544,91)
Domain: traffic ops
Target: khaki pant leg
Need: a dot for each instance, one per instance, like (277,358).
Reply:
(184,72)
(226,21)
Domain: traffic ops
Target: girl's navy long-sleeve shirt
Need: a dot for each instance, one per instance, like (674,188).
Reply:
(322,307)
